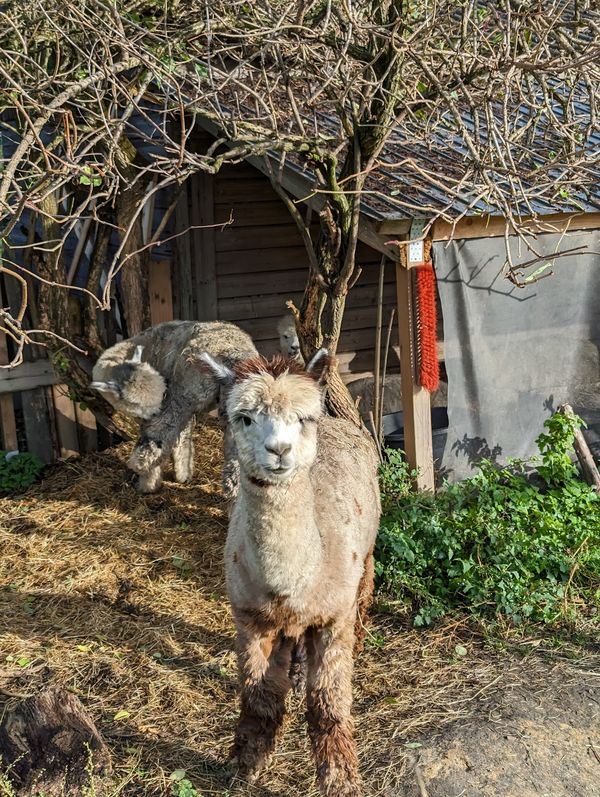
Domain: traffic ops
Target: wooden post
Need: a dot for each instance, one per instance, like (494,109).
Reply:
(589,469)
(7,409)
(159,291)
(418,443)
(205,262)
(183,257)
(38,423)
(66,421)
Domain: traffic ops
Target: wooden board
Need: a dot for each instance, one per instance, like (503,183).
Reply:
(249,214)
(415,399)
(8,423)
(37,419)
(66,421)
(86,429)
(159,291)
(183,298)
(263,258)
(494,226)
(203,241)
(271,235)
(253,189)
(37,373)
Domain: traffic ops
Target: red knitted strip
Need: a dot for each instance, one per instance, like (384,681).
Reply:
(429,367)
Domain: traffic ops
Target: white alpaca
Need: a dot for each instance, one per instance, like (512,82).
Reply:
(149,376)
(289,345)
(298,559)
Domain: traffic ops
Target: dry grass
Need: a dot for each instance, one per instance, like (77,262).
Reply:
(120,598)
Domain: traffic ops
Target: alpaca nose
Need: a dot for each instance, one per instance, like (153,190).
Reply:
(278,447)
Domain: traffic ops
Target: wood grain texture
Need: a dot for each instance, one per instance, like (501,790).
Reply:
(65,419)
(415,399)
(160,291)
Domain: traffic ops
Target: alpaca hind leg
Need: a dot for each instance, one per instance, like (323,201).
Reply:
(183,455)
(365,598)
(329,702)
(264,661)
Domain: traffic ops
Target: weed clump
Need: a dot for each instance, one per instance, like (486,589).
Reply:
(499,543)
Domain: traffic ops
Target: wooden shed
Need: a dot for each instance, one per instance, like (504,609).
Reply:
(242,258)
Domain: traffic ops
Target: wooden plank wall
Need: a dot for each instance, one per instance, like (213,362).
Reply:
(36,413)
(260,262)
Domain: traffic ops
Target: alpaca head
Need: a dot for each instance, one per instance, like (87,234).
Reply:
(273,408)
(289,345)
(133,387)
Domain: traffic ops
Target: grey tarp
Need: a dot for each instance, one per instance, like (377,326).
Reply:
(514,354)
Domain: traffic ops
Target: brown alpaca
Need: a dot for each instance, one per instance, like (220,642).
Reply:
(298,559)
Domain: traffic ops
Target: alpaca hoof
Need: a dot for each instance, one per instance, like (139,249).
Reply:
(144,488)
(298,678)
(247,765)
(299,667)
(241,775)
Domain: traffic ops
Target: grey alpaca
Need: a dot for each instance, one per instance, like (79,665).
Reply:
(298,560)
(149,376)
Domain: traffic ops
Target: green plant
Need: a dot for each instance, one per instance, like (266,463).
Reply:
(181,786)
(499,543)
(18,471)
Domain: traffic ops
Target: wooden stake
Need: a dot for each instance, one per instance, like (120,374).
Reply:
(584,455)
(377,365)
(416,406)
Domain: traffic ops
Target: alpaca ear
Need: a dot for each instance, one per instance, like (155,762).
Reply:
(136,357)
(319,365)
(211,365)
(107,387)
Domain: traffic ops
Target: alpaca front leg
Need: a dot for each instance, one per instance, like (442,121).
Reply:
(264,661)
(183,455)
(149,481)
(329,701)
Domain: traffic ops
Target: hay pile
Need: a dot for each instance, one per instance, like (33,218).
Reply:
(120,598)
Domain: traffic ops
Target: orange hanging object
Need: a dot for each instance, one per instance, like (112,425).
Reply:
(429,367)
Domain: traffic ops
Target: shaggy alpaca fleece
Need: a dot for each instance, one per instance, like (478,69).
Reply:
(298,563)
(151,376)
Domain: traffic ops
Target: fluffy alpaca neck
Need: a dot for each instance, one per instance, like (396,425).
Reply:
(281,535)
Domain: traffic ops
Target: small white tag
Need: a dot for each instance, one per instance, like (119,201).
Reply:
(415,248)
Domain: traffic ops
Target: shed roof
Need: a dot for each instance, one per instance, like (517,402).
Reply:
(417,179)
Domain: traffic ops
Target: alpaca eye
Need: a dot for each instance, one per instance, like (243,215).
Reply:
(247,421)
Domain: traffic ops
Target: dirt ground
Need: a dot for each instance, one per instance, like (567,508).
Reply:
(120,598)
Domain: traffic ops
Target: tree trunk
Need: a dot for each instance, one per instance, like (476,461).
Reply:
(319,325)
(53,306)
(134,274)
(52,747)
(91,313)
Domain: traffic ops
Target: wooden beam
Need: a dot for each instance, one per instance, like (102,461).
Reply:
(27,376)
(86,427)
(37,424)
(7,408)
(183,299)
(66,421)
(159,291)
(416,404)
(205,270)
(494,226)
